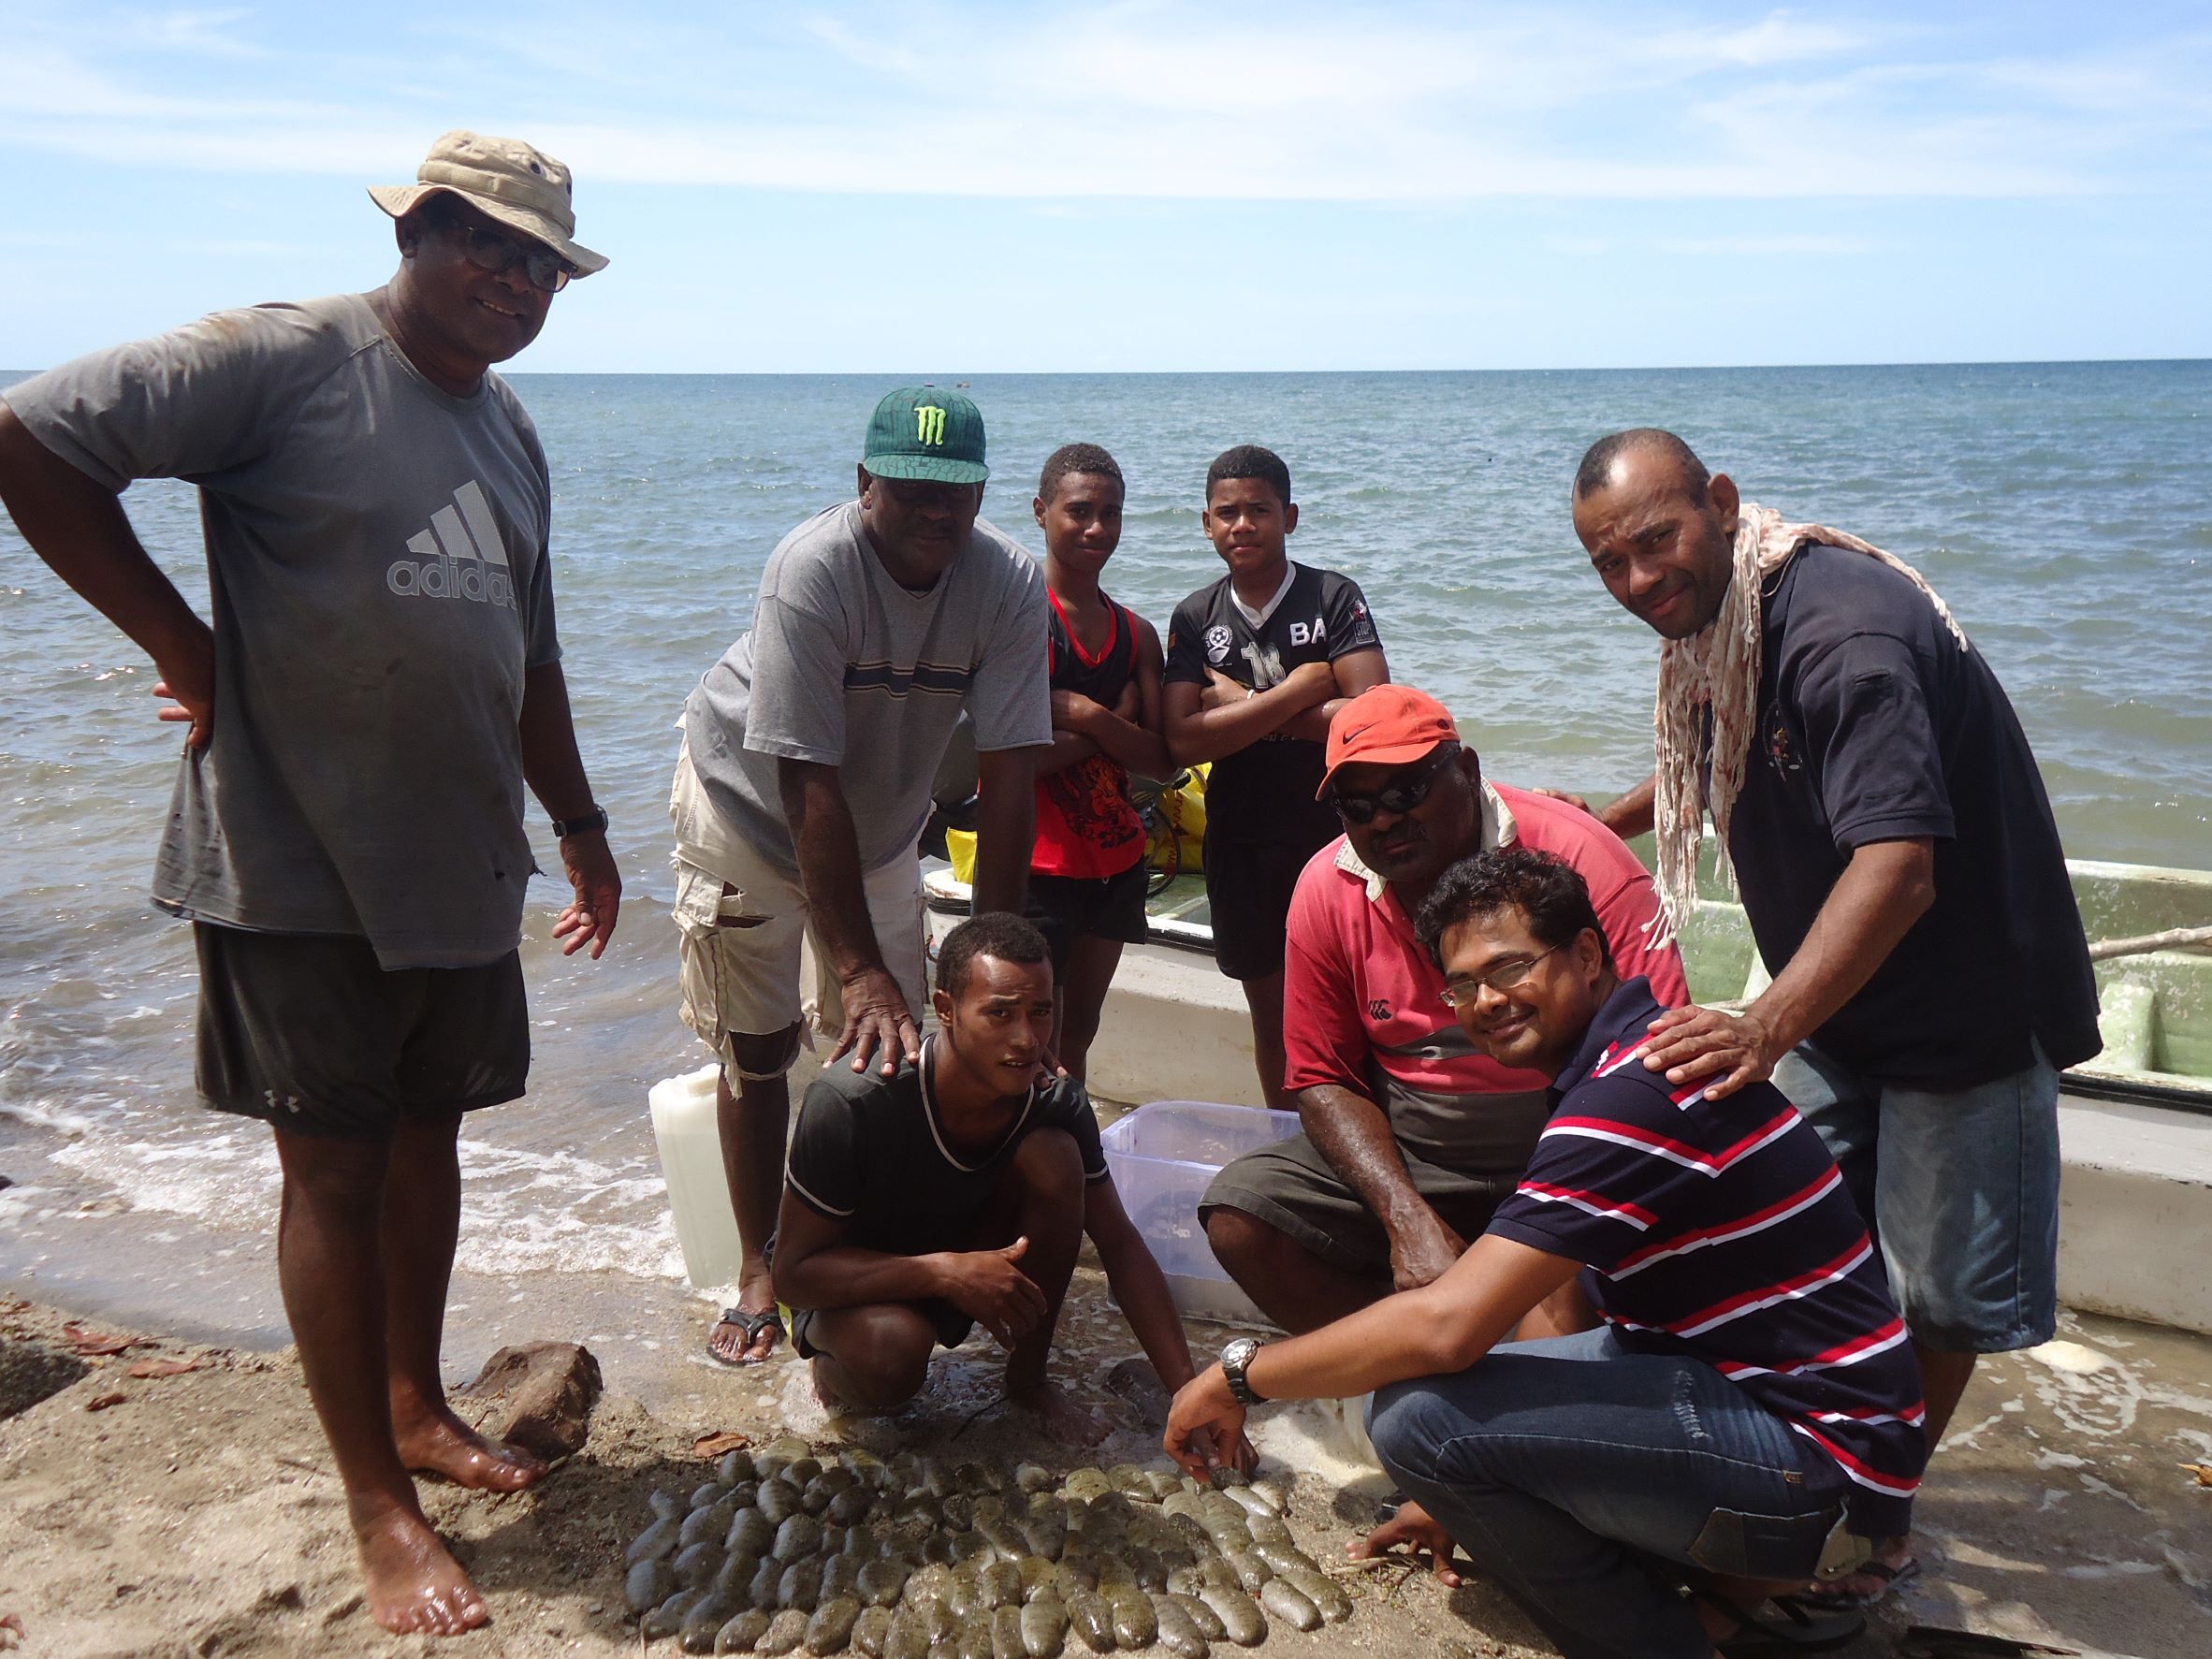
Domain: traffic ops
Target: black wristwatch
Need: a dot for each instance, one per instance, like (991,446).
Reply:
(594,819)
(1235,1357)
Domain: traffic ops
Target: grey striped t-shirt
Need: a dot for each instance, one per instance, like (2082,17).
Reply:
(844,667)
(377,551)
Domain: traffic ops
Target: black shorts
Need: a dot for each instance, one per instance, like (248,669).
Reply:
(1066,907)
(951,1325)
(1294,1189)
(306,1031)
(1248,888)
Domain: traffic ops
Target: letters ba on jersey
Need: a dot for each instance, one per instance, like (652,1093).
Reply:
(459,556)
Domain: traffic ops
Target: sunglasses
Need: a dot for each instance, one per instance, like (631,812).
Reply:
(487,250)
(1403,794)
(1503,977)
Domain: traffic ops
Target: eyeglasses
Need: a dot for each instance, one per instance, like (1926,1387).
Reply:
(487,250)
(1503,977)
(1403,794)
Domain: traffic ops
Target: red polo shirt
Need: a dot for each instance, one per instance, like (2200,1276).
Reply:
(1361,998)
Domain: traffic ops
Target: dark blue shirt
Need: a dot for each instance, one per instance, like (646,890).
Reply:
(1721,1230)
(1875,724)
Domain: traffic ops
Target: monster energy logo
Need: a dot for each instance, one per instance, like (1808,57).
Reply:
(929,424)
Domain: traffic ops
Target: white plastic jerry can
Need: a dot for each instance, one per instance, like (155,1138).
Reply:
(685,1131)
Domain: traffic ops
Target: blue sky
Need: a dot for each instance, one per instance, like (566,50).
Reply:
(1144,186)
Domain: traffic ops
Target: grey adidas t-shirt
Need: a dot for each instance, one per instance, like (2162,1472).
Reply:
(377,553)
(844,667)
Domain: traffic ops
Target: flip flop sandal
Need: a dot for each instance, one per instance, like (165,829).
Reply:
(1887,1578)
(1788,1628)
(752,1325)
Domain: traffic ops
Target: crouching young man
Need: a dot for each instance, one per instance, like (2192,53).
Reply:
(956,1192)
(1749,1413)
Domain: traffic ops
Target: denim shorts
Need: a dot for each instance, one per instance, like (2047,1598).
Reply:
(1960,1187)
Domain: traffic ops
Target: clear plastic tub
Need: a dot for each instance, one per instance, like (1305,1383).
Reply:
(1162,1158)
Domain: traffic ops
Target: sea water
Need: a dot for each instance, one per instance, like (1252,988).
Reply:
(2064,510)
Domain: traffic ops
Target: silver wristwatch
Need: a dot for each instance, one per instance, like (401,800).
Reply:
(1235,1357)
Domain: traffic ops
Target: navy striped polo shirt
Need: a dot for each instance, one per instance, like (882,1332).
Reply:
(1722,1229)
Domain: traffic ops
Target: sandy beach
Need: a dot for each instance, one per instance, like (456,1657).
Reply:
(194,1513)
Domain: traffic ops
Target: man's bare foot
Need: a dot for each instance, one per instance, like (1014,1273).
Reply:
(414,1584)
(441,1444)
(731,1340)
(825,1396)
(1064,1422)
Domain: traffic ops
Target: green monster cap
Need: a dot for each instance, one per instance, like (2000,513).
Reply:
(919,431)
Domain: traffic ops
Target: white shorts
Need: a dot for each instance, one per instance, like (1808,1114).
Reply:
(742,925)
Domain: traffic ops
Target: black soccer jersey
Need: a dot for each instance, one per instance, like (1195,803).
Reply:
(1265,793)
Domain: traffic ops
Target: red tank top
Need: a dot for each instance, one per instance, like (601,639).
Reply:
(1085,823)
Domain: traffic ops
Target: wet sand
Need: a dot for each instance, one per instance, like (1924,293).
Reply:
(196,1514)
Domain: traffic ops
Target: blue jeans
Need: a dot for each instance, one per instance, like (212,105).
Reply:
(1959,1187)
(1584,1487)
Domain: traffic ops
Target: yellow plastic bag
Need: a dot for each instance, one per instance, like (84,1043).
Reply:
(1183,808)
(1186,808)
(960,849)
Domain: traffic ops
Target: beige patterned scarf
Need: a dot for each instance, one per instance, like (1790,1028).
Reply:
(1717,668)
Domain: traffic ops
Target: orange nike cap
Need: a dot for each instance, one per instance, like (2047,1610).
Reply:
(1386,726)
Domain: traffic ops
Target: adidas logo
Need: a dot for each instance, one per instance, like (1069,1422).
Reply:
(459,556)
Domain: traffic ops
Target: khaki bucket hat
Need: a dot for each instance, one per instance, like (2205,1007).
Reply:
(517,185)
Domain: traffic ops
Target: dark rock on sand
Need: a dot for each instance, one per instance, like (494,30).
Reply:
(539,1396)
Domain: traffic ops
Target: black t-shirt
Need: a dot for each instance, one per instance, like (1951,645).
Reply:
(1873,724)
(869,1153)
(1265,792)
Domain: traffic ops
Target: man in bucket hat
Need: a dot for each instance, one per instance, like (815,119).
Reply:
(804,782)
(381,679)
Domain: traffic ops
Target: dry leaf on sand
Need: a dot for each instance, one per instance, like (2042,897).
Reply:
(164,1367)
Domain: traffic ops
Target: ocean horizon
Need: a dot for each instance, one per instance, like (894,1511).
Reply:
(2062,509)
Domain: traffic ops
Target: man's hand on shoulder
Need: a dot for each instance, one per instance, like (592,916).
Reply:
(1574,801)
(589,919)
(991,1289)
(877,1022)
(1420,1253)
(1727,1050)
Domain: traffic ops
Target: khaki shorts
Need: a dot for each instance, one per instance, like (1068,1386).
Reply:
(743,924)
(1292,1187)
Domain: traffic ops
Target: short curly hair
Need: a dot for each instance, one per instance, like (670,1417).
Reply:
(1069,460)
(1000,934)
(1249,461)
(1549,890)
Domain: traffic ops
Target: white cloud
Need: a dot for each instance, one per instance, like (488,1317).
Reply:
(1725,245)
(210,34)
(1779,39)
(1765,247)
(1150,100)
